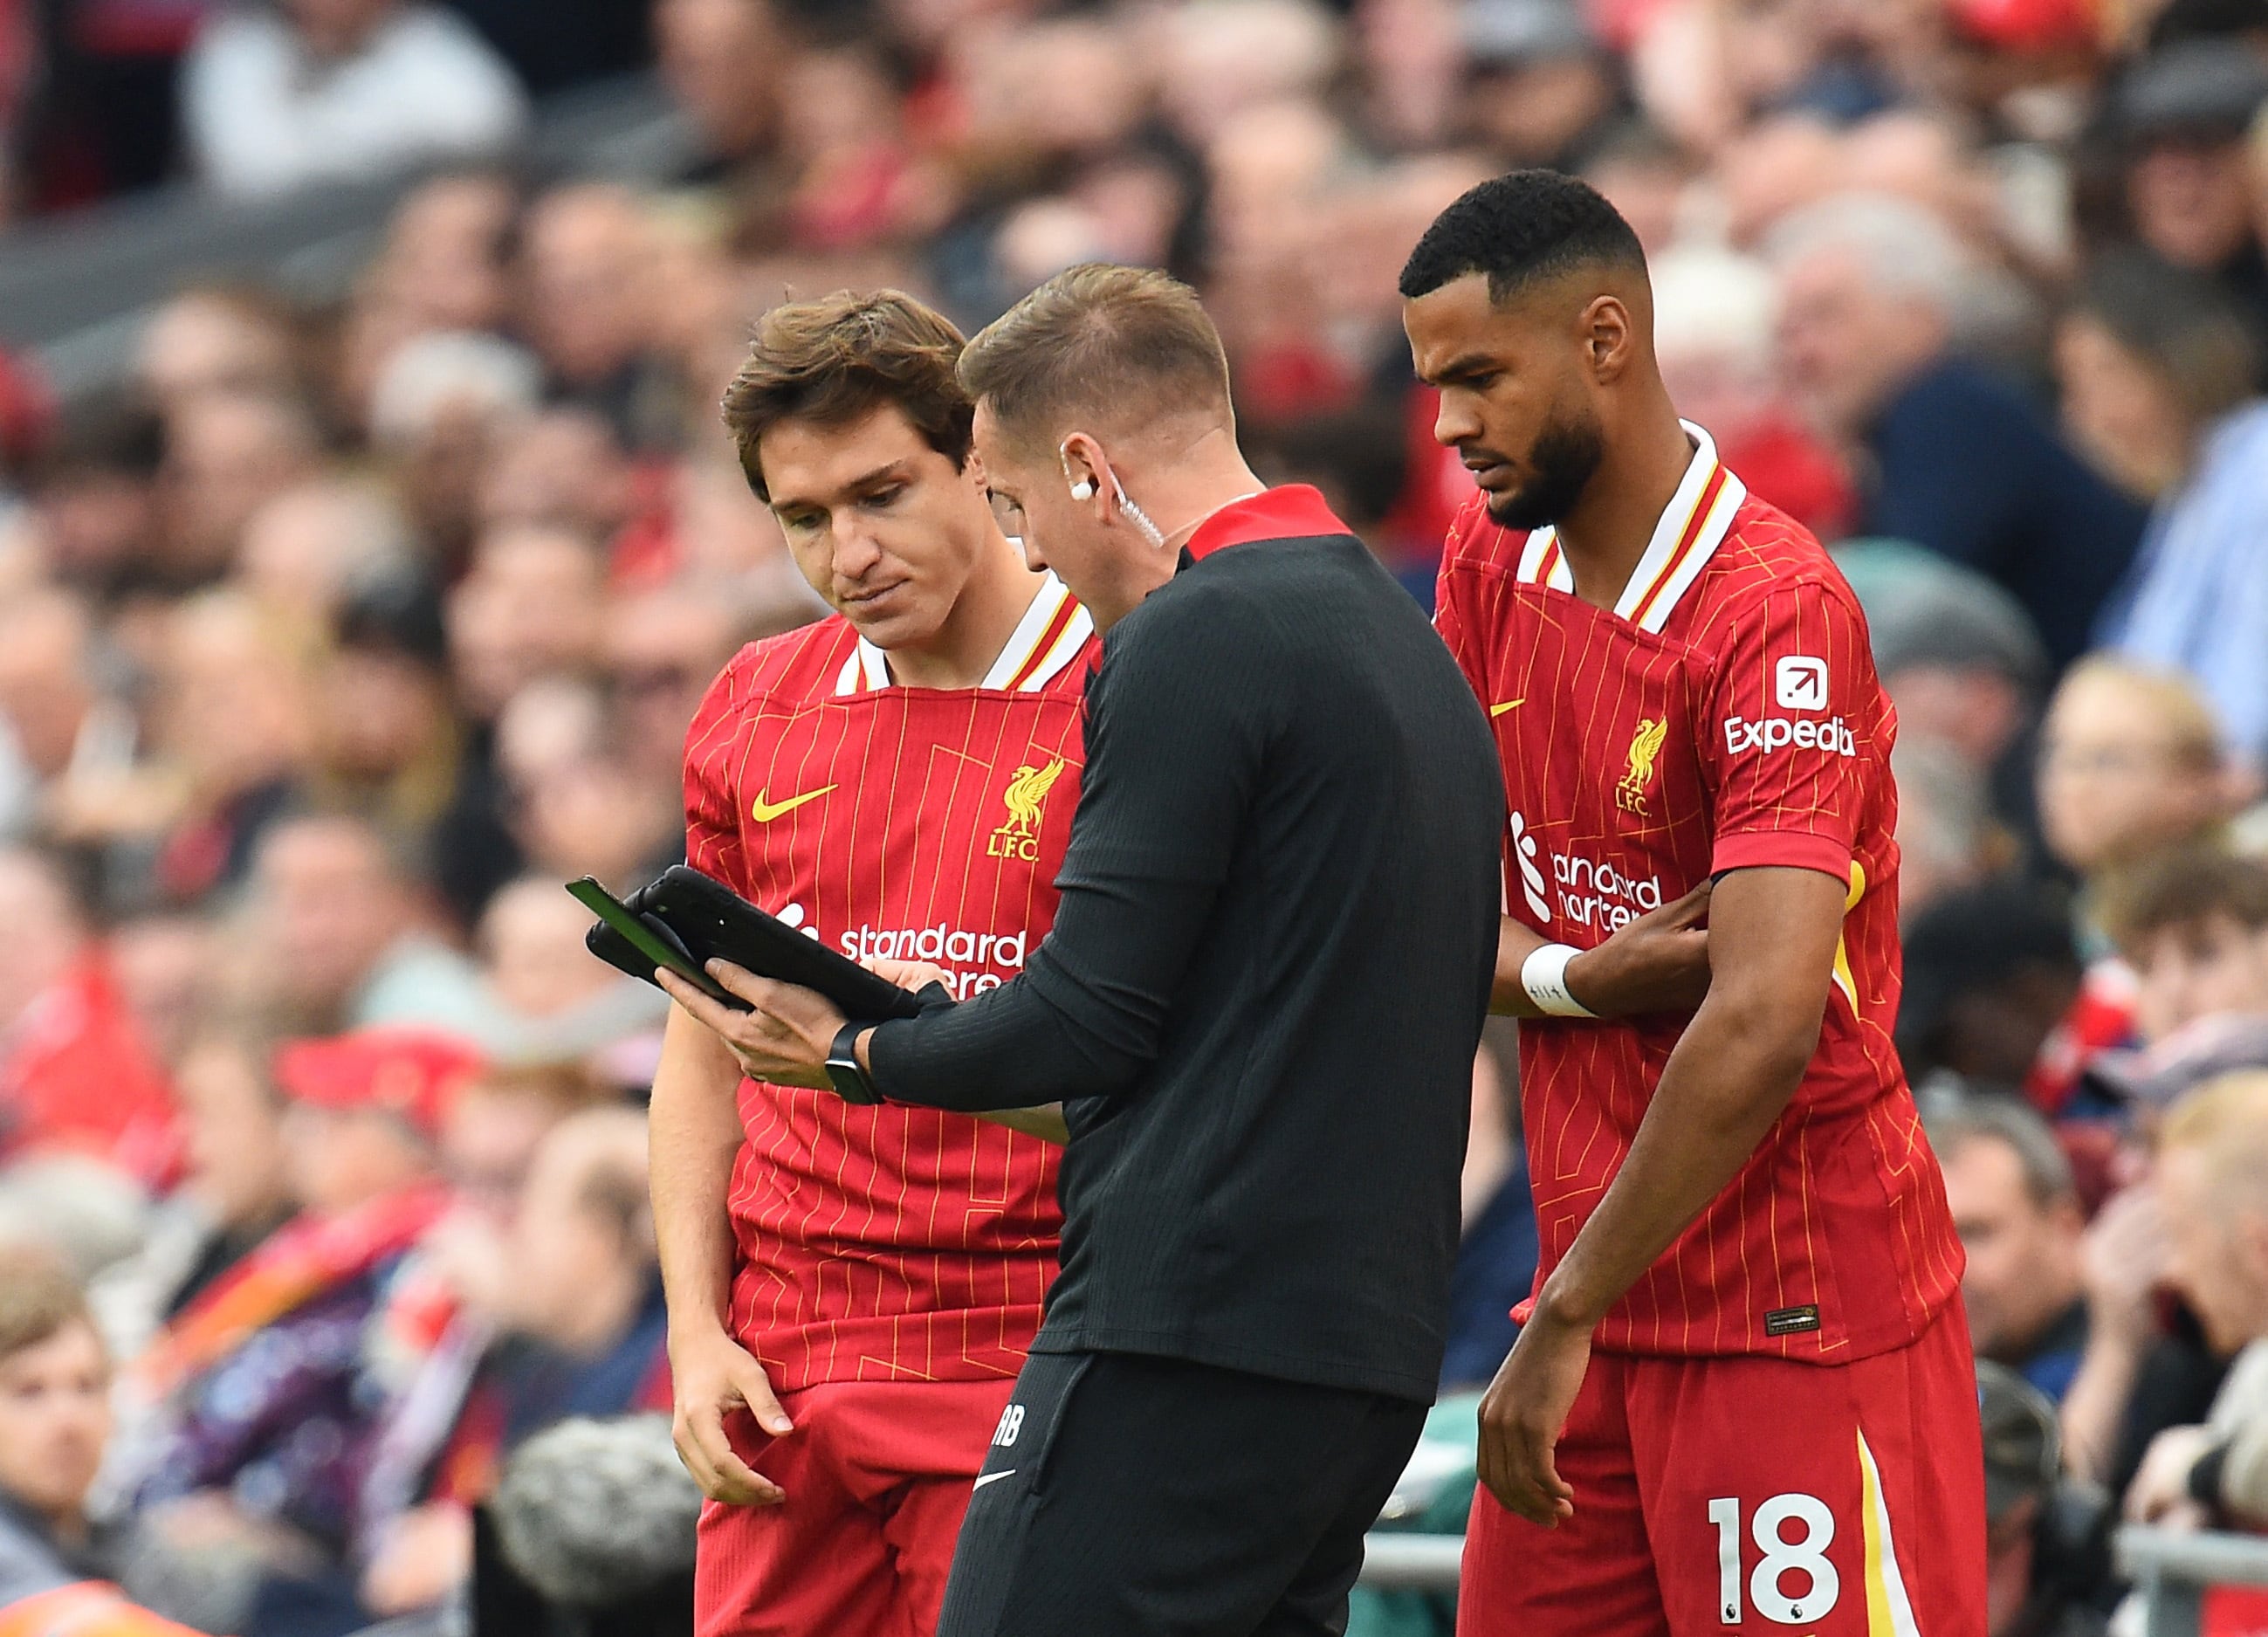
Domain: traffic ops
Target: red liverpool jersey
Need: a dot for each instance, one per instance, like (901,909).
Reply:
(1724,714)
(892,1243)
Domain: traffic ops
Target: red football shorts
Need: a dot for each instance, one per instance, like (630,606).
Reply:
(1752,1494)
(877,1476)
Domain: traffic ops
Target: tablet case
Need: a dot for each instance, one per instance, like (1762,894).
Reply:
(708,921)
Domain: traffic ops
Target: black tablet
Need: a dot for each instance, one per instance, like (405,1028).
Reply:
(629,943)
(714,922)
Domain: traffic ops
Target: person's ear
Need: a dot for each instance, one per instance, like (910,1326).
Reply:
(1608,337)
(1081,457)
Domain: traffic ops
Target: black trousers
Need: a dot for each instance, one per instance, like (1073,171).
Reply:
(1131,1496)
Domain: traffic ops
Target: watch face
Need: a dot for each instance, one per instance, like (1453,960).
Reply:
(850,1081)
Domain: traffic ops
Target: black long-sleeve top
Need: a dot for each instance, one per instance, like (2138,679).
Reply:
(1266,979)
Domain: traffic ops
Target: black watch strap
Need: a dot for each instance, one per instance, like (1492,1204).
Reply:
(843,1070)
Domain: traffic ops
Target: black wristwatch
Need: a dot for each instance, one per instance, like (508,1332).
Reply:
(843,1070)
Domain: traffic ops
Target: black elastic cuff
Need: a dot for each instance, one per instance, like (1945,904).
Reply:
(934,997)
(2205,1477)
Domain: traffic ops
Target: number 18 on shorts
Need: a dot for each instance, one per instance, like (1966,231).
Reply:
(1752,1494)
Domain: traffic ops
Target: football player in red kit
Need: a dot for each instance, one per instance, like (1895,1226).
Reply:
(851,1289)
(1743,1399)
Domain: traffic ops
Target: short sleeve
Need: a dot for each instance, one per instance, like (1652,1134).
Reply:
(713,828)
(1797,734)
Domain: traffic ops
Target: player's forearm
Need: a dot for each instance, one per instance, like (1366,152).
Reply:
(1515,941)
(1729,1078)
(694,1139)
(1590,975)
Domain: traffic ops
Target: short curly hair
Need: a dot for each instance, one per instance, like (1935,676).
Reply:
(837,359)
(1518,229)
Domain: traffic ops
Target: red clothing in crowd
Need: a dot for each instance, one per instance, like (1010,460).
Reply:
(76,1073)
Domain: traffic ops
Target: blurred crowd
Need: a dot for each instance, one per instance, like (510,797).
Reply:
(335,639)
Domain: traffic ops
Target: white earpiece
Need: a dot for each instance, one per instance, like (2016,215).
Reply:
(1083,489)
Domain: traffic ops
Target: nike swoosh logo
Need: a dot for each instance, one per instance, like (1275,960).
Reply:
(993,1477)
(767,811)
(1509,704)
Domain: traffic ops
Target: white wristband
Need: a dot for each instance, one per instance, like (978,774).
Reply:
(1543,975)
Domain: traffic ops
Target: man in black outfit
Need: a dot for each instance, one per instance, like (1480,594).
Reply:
(1259,1007)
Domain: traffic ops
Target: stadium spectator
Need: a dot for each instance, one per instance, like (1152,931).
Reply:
(2213,1163)
(332,90)
(2184,113)
(269,1384)
(1872,290)
(2045,1554)
(721,60)
(1960,658)
(1713,312)
(2193,925)
(591,1529)
(1991,977)
(2160,371)
(217,339)
(2130,761)
(446,257)
(344,938)
(1947,838)
(75,1070)
(2018,1210)
(227,454)
(538,1324)
(231,737)
(301,552)
(584,266)
(47,696)
(387,741)
(235,1190)
(54,1425)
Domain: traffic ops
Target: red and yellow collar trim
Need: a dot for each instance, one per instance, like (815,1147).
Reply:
(1686,536)
(1049,638)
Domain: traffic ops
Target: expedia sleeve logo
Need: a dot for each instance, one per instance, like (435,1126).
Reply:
(1778,732)
(1026,795)
(1800,683)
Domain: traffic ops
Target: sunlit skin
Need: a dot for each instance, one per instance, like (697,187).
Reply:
(1093,542)
(899,541)
(1521,379)
(55,1420)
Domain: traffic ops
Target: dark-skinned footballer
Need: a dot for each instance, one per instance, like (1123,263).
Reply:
(1744,1399)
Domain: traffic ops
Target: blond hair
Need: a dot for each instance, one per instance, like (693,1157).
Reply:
(2192,733)
(2225,1121)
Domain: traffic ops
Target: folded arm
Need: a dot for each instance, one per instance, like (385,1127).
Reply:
(1772,934)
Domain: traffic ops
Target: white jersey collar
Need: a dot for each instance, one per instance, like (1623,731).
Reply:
(1049,638)
(1685,536)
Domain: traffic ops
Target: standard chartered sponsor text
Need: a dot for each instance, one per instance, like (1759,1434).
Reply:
(965,955)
